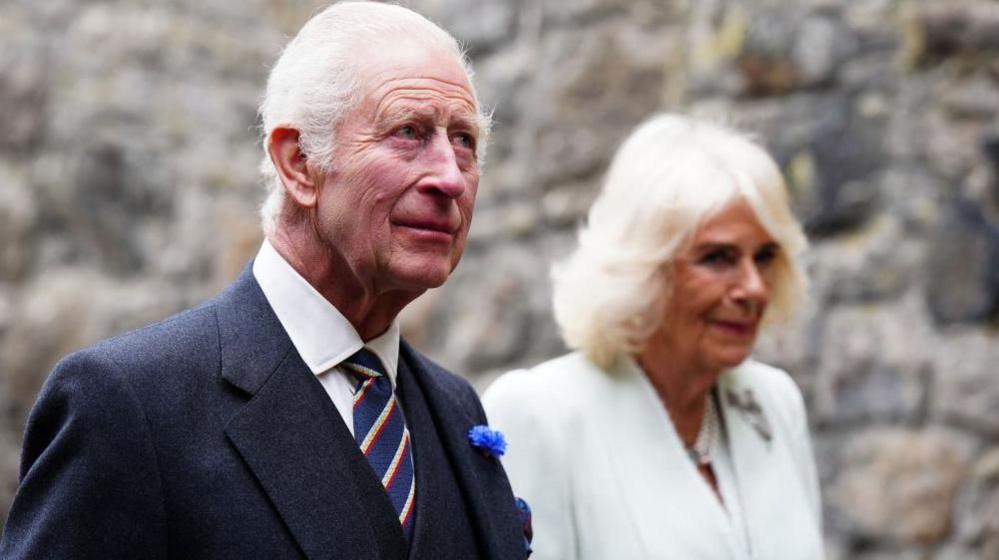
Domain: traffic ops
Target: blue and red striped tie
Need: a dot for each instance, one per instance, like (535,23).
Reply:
(380,431)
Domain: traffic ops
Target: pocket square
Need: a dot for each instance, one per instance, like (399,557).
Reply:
(524,511)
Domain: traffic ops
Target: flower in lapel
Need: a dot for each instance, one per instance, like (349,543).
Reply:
(751,410)
(490,443)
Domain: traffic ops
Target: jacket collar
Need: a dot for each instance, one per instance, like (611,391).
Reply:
(291,437)
(252,340)
(454,409)
(652,470)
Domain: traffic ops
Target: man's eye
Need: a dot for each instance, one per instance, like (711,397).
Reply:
(408,132)
(464,140)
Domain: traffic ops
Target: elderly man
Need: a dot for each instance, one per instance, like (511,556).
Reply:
(286,418)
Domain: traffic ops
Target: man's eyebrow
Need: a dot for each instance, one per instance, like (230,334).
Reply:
(465,121)
(394,115)
(459,119)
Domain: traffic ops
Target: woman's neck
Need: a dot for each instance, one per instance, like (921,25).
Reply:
(682,388)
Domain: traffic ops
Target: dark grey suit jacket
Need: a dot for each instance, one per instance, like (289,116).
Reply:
(206,436)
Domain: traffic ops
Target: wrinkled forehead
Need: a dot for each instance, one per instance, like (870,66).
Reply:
(384,64)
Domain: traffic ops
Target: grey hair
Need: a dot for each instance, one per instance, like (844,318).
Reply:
(670,175)
(314,83)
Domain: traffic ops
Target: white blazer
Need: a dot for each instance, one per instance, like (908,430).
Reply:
(595,455)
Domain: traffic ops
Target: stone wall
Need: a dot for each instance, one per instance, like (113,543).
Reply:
(128,191)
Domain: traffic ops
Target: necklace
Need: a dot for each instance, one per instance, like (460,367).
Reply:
(700,453)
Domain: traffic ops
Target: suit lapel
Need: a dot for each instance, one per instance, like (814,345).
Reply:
(762,469)
(442,527)
(293,440)
(481,480)
(425,464)
(669,506)
(748,426)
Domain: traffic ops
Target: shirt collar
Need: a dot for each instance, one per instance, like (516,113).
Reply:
(320,333)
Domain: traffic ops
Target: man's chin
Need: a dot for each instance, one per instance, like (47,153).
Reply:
(423,277)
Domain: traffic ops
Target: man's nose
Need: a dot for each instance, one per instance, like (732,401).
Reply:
(445,176)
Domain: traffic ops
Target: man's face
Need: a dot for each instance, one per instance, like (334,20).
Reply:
(397,205)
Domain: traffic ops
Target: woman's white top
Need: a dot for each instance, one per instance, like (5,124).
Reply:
(596,456)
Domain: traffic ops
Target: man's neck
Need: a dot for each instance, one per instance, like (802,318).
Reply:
(369,310)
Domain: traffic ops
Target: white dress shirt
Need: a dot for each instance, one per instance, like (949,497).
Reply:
(321,334)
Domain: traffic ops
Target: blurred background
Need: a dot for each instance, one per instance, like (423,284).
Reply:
(128,191)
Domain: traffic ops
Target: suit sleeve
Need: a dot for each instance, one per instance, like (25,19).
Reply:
(536,460)
(89,483)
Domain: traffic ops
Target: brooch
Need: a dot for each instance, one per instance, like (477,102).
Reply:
(489,442)
(751,410)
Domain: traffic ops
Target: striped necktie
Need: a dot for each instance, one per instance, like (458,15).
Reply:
(380,431)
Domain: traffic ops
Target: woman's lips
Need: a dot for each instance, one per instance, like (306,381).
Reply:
(737,328)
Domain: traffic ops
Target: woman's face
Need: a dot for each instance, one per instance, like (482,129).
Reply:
(722,281)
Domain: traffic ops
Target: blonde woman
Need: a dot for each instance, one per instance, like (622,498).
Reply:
(659,437)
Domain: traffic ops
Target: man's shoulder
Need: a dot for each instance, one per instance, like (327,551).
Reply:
(177,338)
(174,335)
(163,352)
(438,375)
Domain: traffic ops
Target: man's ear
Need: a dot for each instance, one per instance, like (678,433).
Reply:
(292,166)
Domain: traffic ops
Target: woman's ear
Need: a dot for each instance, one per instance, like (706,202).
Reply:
(292,166)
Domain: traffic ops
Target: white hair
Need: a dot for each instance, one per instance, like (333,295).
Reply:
(314,83)
(670,175)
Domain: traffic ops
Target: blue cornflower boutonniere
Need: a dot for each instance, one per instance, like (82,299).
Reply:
(489,442)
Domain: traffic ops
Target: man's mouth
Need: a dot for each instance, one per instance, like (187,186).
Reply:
(430,230)
(430,226)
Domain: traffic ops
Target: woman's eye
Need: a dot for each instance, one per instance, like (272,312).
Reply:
(766,255)
(718,257)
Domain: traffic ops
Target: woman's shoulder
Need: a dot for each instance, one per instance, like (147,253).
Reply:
(772,386)
(555,383)
(764,377)
(567,370)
